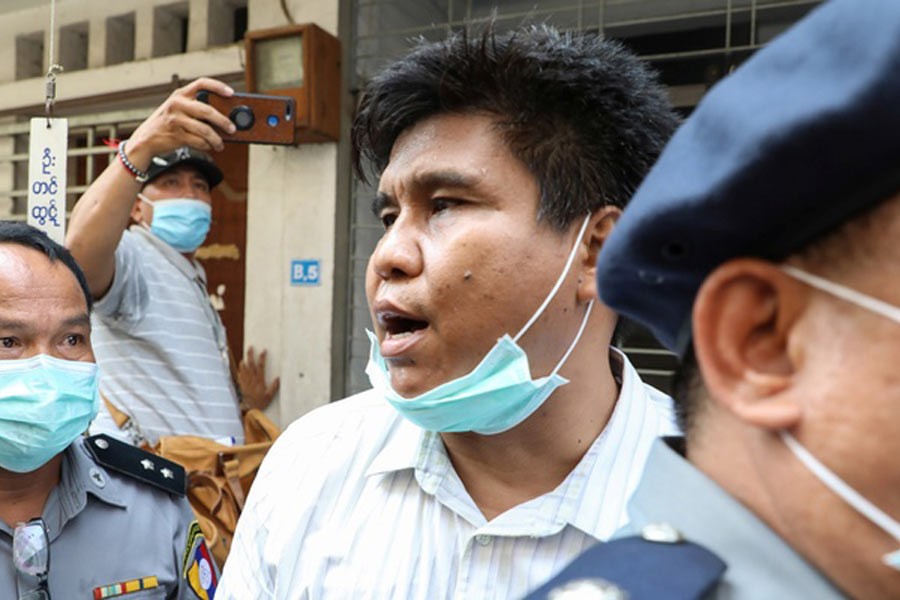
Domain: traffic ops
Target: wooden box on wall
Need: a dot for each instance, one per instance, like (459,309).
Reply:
(304,62)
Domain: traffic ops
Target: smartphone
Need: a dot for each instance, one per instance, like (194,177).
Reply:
(259,119)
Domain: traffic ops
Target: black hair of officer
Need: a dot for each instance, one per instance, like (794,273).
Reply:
(22,234)
(584,114)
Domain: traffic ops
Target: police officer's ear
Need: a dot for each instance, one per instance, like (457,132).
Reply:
(599,227)
(743,319)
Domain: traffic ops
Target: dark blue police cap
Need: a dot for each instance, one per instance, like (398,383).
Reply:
(800,139)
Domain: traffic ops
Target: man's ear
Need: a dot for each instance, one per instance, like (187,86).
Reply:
(599,227)
(743,318)
(136,215)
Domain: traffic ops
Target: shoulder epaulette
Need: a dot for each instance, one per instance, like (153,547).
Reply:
(645,567)
(141,465)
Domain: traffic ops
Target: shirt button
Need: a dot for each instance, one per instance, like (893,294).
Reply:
(482,539)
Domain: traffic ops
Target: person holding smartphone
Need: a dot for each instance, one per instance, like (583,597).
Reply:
(161,345)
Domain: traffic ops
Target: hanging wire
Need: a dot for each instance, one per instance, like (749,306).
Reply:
(287,13)
(53,70)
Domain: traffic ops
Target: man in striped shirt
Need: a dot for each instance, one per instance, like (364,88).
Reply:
(160,344)
(480,463)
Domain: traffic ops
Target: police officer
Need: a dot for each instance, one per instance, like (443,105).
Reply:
(79,517)
(763,249)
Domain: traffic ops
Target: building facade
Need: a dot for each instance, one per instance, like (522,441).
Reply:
(286,206)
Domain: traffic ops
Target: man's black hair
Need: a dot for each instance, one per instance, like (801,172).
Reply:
(584,114)
(16,232)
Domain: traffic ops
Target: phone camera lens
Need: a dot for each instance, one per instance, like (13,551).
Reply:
(242,117)
(272,120)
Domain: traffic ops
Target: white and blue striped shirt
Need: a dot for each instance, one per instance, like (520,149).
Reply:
(353,501)
(161,347)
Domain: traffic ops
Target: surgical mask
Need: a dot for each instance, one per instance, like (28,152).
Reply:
(45,404)
(496,395)
(837,485)
(180,222)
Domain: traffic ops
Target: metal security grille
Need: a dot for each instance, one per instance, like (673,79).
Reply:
(87,156)
(691,43)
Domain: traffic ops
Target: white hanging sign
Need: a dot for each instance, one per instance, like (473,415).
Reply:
(47,176)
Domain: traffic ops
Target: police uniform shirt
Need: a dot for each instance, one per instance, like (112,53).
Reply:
(759,563)
(687,539)
(114,536)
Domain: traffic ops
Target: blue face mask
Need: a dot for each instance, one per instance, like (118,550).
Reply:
(495,396)
(45,403)
(180,222)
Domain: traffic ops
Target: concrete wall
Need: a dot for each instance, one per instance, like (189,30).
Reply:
(153,65)
(292,200)
(292,210)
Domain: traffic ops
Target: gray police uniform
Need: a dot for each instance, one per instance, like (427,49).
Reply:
(119,527)
(704,525)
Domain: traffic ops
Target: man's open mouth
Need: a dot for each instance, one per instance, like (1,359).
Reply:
(399,326)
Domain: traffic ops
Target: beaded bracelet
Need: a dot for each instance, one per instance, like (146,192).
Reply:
(139,176)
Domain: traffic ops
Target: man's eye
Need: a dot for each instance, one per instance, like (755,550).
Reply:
(387,219)
(7,342)
(74,339)
(442,204)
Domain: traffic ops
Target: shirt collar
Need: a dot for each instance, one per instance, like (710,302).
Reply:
(674,491)
(402,449)
(192,269)
(82,476)
(410,447)
(79,476)
(629,413)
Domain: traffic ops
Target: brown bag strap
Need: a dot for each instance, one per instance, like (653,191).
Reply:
(126,424)
(120,418)
(231,472)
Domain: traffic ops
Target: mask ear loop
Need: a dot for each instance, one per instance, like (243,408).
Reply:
(840,487)
(558,284)
(844,293)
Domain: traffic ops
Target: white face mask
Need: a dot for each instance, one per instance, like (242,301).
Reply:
(837,485)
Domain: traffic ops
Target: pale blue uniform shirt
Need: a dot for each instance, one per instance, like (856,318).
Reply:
(107,529)
(353,501)
(760,564)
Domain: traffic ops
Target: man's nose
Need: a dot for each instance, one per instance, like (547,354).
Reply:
(398,253)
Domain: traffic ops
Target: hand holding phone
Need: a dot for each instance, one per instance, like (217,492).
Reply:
(258,119)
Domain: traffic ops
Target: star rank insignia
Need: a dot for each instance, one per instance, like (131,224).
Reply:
(130,461)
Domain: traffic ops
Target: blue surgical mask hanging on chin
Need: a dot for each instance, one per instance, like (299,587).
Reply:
(837,485)
(182,223)
(496,395)
(45,404)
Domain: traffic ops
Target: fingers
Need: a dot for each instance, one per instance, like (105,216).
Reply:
(197,134)
(205,83)
(273,387)
(182,120)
